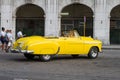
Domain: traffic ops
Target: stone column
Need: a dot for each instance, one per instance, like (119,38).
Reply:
(14,27)
(6,14)
(51,18)
(101,27)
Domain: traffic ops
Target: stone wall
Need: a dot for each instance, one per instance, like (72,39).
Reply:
(53,8)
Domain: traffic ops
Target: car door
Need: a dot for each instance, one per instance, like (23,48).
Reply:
(73,45)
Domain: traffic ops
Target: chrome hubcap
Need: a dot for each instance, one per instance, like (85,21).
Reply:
(47,57)
(94,54)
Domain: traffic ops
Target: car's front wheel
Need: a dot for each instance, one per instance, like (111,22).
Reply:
(29,56)
(45,58)
(93,53)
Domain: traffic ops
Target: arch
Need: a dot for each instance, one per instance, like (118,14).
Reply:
(115,25)
(30,19)
(83,2)
(75,18)
(112,5)
(29,6)
(22,4)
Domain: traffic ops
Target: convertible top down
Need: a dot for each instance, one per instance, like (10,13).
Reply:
(69,43)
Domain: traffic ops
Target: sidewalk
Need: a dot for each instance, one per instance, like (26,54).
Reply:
(111,47)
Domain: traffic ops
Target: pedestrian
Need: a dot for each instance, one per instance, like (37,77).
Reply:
(6,39)
(2,38)
(9,39)
(20,34)
(71,33)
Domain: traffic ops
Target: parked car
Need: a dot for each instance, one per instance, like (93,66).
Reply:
(69,43)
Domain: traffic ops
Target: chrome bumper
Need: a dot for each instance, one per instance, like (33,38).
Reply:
(21,51)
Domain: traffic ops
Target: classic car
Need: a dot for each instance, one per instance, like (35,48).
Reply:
(70,43)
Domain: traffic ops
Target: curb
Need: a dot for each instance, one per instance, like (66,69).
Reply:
(111,47)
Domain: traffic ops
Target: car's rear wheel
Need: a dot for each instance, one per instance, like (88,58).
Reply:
(45,58)
(29,56)
(93,53)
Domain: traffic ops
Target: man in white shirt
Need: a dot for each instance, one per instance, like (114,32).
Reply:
(9,41)
(19,34)
(2,37)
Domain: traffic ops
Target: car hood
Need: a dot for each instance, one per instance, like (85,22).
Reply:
(89,39)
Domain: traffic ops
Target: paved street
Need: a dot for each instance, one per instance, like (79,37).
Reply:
(105,67)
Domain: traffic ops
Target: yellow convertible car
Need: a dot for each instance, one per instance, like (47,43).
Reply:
(46,47)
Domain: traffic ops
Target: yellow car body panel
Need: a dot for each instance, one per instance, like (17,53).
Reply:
(38,45)
(71,46)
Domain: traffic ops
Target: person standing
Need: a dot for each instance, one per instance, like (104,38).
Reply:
(2,38)
(19,34)
(9,40)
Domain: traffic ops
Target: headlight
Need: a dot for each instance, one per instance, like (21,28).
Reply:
(20,44)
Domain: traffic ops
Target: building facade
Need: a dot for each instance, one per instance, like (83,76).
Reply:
(97,18)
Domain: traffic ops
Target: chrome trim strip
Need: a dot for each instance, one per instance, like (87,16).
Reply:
(21,51)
